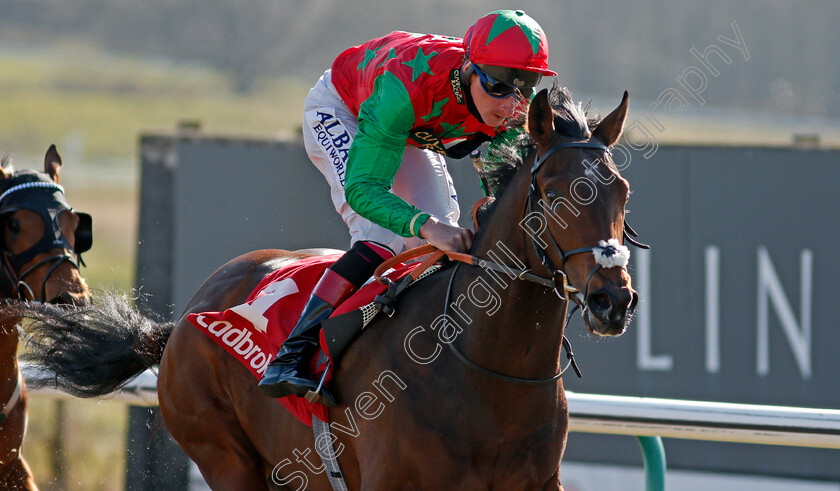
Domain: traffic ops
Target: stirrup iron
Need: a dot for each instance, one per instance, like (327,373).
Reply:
(319,395)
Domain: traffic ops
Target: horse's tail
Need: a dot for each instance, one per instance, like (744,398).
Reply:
(91,351)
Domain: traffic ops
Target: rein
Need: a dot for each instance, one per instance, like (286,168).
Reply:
(434,254)
(21,287)
(608,254)
(509,378)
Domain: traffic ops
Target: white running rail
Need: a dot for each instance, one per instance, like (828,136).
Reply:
(634,416)
(710,421)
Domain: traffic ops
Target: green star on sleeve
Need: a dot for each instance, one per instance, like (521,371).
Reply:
(452,130)
(437,110)
(369,56)
(420,64)
(391,55)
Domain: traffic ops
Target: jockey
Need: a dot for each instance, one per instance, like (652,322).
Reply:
(378,124)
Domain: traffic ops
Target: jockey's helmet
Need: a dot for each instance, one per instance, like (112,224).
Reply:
(508,47)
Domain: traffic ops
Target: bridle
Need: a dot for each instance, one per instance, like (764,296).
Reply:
(608,253)
(46,198)
(605,254)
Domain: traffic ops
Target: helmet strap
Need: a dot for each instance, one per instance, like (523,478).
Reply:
(466,74)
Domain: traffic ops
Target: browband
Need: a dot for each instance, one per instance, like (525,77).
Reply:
(540,159)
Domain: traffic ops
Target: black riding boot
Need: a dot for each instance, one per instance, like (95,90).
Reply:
(288,373)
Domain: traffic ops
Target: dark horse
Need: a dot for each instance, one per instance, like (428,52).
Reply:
(41,240)
(492,414)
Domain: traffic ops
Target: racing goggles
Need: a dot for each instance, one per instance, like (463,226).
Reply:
(501,82)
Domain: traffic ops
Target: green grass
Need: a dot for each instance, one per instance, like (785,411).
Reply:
(108,102)
(94,435)
(94,107)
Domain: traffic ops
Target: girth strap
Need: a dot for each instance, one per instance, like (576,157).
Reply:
(322,433)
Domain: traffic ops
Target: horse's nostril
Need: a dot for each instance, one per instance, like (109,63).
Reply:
(600,302)
(634,301)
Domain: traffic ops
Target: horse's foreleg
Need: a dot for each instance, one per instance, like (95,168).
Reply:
(222,468)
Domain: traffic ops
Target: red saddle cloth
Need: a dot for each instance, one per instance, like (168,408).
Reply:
(254,331)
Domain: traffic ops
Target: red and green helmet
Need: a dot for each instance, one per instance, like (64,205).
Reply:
(509,45)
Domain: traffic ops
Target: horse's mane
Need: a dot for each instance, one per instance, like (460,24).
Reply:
(6,163)
(503,160)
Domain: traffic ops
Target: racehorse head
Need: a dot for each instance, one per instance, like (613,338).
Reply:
(577,200)
(41,236)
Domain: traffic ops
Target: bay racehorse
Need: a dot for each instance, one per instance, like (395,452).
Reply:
(489,414)
(41,239)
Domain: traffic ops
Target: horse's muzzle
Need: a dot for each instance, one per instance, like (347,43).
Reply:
(73,299)
(610,309)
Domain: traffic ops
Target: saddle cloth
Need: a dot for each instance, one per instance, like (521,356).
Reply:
(254,331)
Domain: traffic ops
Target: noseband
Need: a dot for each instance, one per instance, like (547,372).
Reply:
(45,198)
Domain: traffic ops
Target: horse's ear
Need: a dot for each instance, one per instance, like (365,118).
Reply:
(611,127)
(52,163)
(541,119)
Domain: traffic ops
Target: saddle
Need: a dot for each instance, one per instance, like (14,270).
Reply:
(253,332)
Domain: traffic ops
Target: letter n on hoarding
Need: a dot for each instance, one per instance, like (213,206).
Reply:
(770,291)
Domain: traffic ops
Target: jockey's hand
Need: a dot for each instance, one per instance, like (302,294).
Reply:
(446,237)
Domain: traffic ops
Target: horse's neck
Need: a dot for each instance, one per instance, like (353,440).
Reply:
(8,345)
(8,326)
(8,358)
(503,226)
(8,330)
(514,324)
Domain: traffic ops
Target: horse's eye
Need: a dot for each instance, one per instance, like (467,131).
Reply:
(13,224)
(551,194)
